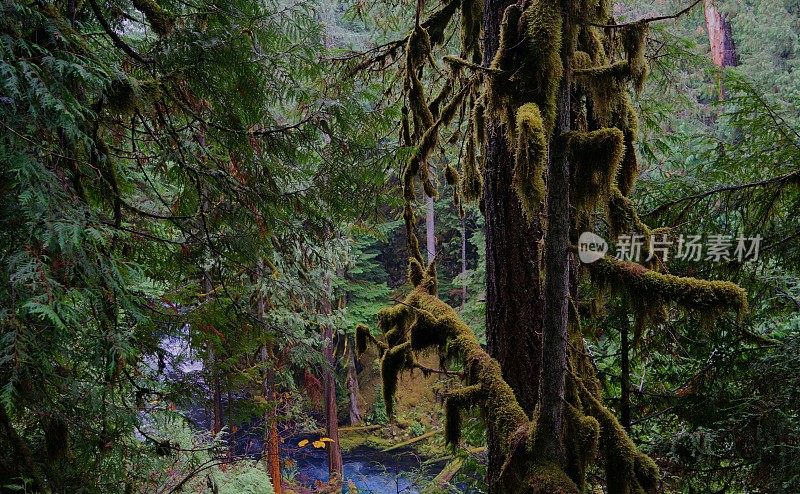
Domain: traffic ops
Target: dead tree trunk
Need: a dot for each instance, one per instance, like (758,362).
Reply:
(720,38)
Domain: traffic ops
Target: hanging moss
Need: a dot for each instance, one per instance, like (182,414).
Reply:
(437,23)
(590,41)
(411,233)
(444,94)
(530,159)
(633,38)
(121,95)
(542,71)
(159,19)
(429,141)
(627,121)
(598,11)
(451,175)
(394,361)
(628,471)
(596,156)
(471,22)
(704,296)
(622,216)
(418,49)
(457,402)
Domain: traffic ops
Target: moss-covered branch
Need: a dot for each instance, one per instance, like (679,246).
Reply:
(702,296)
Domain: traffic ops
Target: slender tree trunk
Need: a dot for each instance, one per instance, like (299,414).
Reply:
(625,373)
(216,394)
(352,385)
(513,292)
(272,451)
(463,262)
(272,454)
(549,433)
(430,224)
(329,389)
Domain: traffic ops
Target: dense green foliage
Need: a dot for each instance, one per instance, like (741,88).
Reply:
(203,175)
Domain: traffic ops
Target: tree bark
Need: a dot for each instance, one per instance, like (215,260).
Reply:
(720,38)
(513,292)
(549,434)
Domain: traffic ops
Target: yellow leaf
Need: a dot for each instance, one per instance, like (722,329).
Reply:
(318,444)
(326,440)
(303,443)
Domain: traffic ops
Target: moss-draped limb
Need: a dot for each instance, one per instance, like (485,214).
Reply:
(628,470)
(364,336)
(472,181)
(429,140)
(703,296)
(530,159)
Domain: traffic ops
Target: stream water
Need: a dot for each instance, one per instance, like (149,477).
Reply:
(371,471)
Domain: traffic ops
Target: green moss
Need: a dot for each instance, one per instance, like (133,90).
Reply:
(159,19)
(626,120)
(418,49)
(394,361)
(451,175)
(549,478)
(121,95)
(457,402)
(596,156)
(633,38)
(542,23)
(628,471)
(530,159)
(704,296)
(411,233)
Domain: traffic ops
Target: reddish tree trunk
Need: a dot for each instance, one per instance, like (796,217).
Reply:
(272,454)
(329,391)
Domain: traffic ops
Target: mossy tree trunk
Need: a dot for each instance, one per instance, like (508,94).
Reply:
(513,251)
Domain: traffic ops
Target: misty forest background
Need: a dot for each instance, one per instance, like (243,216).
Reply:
(202,201)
